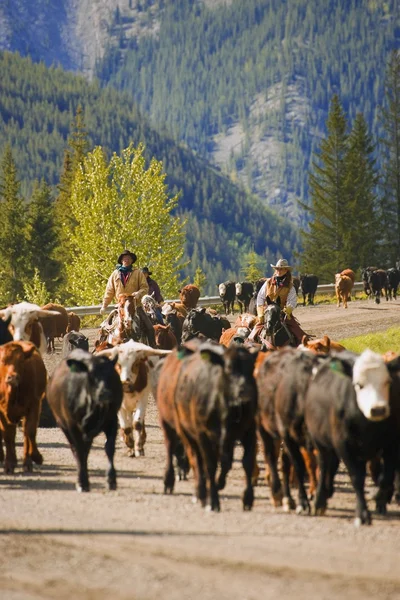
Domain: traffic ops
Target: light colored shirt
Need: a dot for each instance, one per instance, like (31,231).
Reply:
(291,299)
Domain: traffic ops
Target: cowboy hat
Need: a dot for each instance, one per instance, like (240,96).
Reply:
(125,253)
(146,270)
(281,264)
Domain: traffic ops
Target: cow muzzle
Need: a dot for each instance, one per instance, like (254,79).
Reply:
(12,380)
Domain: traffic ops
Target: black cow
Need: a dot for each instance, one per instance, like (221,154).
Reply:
(244,293)
(393,276)
(5,334)
(347,414)
(378,281)
(365,273)
(227,293)
(85,395)
(199,321)
(72,341)
(308,284)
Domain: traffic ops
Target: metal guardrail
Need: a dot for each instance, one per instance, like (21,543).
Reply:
(83,311)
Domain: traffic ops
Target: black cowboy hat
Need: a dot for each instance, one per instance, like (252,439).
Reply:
(146,270)
(125,253)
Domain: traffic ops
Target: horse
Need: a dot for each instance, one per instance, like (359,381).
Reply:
(127,322)
(275,332)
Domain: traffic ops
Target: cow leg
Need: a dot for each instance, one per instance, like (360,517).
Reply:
(271,459)
(170,438)
(196,457)
(298,464)
(139,430)
(80,450)
(357,471)
(322,494)
(31,452)
(249,443)
(10,462)
(386,480)
(310,463)
(226,460)
(125,423)
(110,429)
(210,451)
(287,502)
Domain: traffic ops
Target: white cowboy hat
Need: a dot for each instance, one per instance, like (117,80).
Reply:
(282,264)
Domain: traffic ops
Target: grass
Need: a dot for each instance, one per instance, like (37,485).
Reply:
(378,342)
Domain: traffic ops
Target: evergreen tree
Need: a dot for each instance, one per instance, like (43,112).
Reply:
(117,205)
(43,237)
(390,119)
(13,242)
(324,242)
(200,280)
(253,267)
(363,224)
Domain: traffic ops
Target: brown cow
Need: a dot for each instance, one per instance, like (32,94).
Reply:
(208,400)
(321,345)
(189,296)
(234,335)
(22,386)
(74,322)
(343,287)
(165,338)
(54,327)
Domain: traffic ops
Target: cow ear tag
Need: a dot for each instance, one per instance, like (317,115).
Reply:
(76,367)
(337,367)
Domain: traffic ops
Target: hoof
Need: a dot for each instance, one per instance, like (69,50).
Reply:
(320,511)
(112,486)
(288,504)
(81,489)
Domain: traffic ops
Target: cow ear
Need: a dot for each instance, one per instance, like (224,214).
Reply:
(393,365)
(28,348)
(202,310)
(269,301)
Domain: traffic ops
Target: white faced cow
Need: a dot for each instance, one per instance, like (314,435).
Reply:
(136,372)
(371,382)
(24,325)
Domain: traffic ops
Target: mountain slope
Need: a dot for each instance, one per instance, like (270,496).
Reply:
(37,105)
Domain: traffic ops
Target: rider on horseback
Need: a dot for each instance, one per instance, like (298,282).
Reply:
(280,286)
(126,279)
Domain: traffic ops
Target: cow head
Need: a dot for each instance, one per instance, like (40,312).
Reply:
(222,289)
(371,382)
(23,315)
(238,288)
(129,357)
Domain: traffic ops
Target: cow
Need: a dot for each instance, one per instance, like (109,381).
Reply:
(189,296)
(173,318)
(320,346)
(165,338)
(234,335)
(227,293)
(378,281)
(244,293)
(199,322)
(23,380)
(54,327)
(365,279)
(85,394)
(282,380)
(246,320)
(296,284)
(347,414)
(393,276)
(73,340)
(74,322)
(135,370)
(24,325)
(308,284)
(208,399)
(343,287)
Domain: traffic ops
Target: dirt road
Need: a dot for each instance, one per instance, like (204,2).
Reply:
(136,543)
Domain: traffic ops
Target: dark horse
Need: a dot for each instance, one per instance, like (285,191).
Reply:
(275,332)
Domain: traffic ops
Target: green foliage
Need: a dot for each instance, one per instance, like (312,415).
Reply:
(200,280)
(253,267)
(13,232)
(121,204)
(35,290)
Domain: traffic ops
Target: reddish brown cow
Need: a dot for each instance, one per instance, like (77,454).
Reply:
(349,273)
(74,322)
(321,345)
(165,338)
(54,327)
(22,386)
(189,296)
(343,287)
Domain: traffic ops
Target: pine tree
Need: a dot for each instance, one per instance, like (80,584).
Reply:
(324,242)
(117,205)
(390,120)
(43,237)
(13,241)
(362,215)
(200,279)
(253,267)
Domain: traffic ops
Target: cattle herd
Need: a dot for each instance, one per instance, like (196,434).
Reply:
(307,408)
